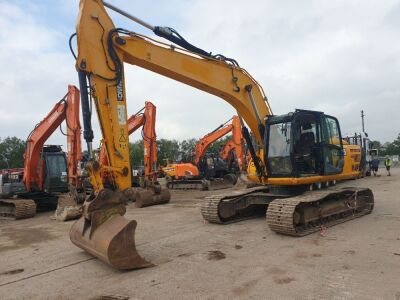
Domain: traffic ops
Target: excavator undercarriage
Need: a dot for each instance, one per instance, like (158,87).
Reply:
(288,214)
(211,184)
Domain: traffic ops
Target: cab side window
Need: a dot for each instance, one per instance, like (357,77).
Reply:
(333,149)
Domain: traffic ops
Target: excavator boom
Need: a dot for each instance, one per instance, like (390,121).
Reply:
(102,51)
(44,162)
(205,142)
(65,110)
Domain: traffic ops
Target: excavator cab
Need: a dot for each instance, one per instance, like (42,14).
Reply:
(302,144)
(211,166)
(55,170)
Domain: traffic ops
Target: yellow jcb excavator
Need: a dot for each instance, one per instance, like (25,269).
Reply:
(301,150)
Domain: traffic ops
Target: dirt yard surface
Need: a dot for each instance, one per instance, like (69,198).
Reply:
(359,259)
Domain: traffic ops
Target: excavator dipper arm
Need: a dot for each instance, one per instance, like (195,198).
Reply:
(235,144)
(73,136)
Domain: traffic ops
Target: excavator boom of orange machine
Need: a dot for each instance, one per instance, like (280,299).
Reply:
(42,164)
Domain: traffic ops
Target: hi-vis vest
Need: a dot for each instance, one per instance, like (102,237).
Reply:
(388,162)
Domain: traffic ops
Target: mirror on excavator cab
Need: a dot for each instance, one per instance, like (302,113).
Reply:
(303,143)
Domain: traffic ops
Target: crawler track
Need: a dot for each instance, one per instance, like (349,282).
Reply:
(17,208)
(187,185)
(290,215)
(308,213)
(213,208)
(203,184)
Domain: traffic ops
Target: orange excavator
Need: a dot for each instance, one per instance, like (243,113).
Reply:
(47,173)
(208,171)
(228,154)
(233,152)
(299,151)
(151,192)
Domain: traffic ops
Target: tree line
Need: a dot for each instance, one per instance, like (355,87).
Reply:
(387,148)
(12,151)
(172,150)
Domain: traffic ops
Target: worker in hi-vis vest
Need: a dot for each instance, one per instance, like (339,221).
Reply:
(388,164)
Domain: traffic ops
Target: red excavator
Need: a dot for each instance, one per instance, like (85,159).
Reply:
(208,171)
(150,192)
(46,175)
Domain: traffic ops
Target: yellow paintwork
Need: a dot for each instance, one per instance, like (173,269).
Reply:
(111,112)
(351,170)
(209,75)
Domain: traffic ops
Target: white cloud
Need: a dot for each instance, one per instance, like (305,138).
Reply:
(338,56)
(33,76)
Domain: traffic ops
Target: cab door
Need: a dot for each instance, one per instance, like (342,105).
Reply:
(332,146)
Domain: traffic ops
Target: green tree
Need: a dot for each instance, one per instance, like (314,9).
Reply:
(167,150)
(376,144)
(187,150)
(188,145)
(394,147)
(136,153)
(12,153)
(217,146)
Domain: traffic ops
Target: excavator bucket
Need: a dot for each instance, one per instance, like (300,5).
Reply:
(113,242)
(69,206)
(107,235)
(149,197)
(228,181)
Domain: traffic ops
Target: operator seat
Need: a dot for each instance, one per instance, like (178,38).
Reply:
(304,153)
(305,144)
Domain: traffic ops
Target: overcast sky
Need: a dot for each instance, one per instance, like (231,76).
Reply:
(334,56)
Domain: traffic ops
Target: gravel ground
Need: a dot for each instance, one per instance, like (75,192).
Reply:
(359,259)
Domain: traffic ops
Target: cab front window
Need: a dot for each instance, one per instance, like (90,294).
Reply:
(279,148)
